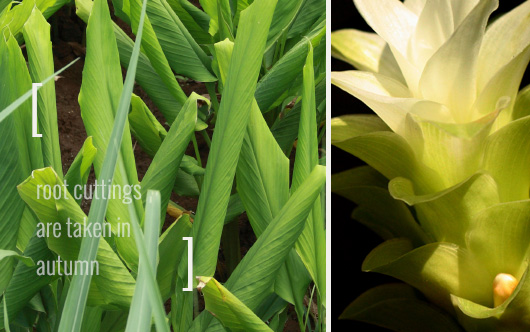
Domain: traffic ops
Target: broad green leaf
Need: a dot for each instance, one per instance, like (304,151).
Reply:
(37,37)
(17,83)
(14,19)
(25,282)
(252,280)
(182,303)
(28,222)
(285,128)
(312,243)
(281,76)
(168,43)
(99,33)
(309,14)
(232,119)
(114,280)
(92,319)
(398,308)
(163,90)
(165,93)
(145,127)
(153,293)
(13,254)
(253,173)
(224,16)
(6,320)
(263,185)
(171,248)
(15,163)
(211,7)
(229,309)
(140,311)
(77,175)
(99,100)
(188,13)
(284,16)
(163,170)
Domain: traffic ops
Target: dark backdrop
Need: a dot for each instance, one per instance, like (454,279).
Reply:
(352,241)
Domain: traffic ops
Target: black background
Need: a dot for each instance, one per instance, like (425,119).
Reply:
(352,241)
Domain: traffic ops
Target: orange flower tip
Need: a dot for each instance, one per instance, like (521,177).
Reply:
(503,286)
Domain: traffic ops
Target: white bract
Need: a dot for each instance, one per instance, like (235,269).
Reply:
(451,69)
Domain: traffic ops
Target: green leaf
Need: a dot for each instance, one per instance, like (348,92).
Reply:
(153,292)
(114,280)
(15,163)
(253,278)
(99,100)
(284,16)
(188,14)
(145,127)
(312,10)
(312,243)
(280,77)
(25,282)
(37,37)
(102,50)
(140,311)
(164,90)
(229,309)
(10,253)
(397,307)
(168,43)
(77,175)
(285,128)
(232,119)
(6,321)
(162,172)
(172,248)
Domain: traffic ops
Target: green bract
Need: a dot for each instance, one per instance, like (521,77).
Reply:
(452,141)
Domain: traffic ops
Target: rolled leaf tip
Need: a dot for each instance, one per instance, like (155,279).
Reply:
(503,286)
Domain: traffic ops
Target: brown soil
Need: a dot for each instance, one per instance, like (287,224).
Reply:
(68,35)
